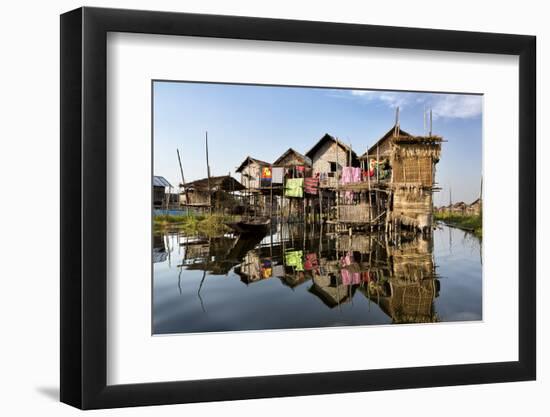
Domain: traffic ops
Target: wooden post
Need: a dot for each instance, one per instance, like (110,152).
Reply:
(377,164)
(183,183)
(208,173)
(337,184)
(271,199)
(369,196)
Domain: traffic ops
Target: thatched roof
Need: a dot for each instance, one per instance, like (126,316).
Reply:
(399,136)
(249,160)
(329,138)
(222,183)
(304,159)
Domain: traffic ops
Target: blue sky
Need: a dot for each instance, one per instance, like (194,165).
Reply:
(264,121)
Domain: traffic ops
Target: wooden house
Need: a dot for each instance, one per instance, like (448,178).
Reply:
(291,158)
(458,208)
(216,191)
(474,209)
(251,171)
(161,189)
(407,165)
(329,155)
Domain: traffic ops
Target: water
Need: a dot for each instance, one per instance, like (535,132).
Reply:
(300,278)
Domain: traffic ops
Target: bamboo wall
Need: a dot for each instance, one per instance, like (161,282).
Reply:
(413,170)
(413,207)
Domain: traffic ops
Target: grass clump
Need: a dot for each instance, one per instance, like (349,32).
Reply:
(473,223)
(192,225)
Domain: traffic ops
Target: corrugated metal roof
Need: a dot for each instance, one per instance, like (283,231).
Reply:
(159,181)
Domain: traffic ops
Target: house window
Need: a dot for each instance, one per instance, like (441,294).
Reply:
(333,167)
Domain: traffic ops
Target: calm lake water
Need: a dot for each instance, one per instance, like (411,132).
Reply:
(296,277)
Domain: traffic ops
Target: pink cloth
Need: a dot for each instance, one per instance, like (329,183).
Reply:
(350,278)
(350,175)
(345,260)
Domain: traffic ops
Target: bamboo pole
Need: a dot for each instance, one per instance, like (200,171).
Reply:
(377,164)
(369,194)
(208,173)
(271,199)
(320,206)
(337,184)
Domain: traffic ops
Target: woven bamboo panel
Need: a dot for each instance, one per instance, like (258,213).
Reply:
(418,169)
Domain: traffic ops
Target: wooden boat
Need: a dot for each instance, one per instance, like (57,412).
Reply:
(253,226)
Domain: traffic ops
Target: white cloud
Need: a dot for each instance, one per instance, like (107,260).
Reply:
(455,106)
(389,98)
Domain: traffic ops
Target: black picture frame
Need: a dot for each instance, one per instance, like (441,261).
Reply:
(84,207)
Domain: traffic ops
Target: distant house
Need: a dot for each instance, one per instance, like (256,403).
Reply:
(160,186)
(474,209)
(459,207)
(197,193)
(292,158)
(329,155)
(251,170)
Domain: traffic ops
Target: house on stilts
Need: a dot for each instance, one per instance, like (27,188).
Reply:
(395,185)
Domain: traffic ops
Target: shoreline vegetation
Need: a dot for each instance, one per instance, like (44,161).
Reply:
(214,224)
(468,222)
(210,225)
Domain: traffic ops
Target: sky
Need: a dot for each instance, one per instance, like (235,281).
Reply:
(264,121)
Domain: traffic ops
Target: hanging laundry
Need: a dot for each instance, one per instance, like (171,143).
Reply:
(311,262)
(294,187)
(345,260)
(295,259)
(346,277)
(277,175)
(372,166)
(350,175)
(346,175)
(266,268)
(311,185)
(365,276)
(266,172)
(350,278)
(348,197)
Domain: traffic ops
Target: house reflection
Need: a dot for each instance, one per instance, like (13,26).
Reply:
(160,254)
(397,276)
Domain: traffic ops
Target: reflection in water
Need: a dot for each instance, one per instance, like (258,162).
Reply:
(299,277)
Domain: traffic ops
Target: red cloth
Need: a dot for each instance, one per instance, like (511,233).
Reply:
(311,185)
(311,262)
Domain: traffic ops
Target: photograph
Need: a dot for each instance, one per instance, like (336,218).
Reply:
(294,207)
